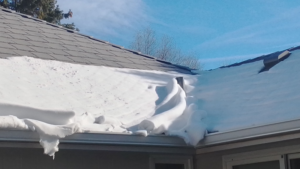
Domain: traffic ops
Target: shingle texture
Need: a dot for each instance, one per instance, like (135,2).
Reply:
(24,36)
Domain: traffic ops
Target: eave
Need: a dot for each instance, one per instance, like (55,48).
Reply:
(262,134)
(100,141)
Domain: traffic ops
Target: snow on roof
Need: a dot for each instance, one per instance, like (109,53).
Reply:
(57,99)
(240,96)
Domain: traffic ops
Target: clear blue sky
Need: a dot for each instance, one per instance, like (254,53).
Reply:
(218,31)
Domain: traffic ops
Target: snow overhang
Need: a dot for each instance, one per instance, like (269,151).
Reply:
(98,138)
(252,133)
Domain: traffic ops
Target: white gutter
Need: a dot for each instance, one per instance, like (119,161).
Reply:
(261,131)
(98,138)
(211,140)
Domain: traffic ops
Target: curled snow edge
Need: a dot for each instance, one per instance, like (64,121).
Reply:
(39,121)
(183,119)
(177,115)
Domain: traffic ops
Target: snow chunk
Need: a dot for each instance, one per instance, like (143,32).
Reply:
(12,122)
(47,116)
(141,132)
(107,120)
(50,134)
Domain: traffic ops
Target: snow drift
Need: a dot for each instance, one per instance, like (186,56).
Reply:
(160,123)
(57,99)
(47,116)
(42,121)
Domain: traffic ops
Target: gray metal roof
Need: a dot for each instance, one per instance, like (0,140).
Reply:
(22,35)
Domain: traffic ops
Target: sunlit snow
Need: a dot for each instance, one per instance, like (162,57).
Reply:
(57,99)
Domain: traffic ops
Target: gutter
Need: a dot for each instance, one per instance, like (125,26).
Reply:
(279,131)
(97,138)
(257,132)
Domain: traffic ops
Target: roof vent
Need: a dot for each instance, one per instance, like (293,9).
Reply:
(180,81)
(272,60)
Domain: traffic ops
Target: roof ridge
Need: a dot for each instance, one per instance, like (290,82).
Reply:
(258,58)
(92,38)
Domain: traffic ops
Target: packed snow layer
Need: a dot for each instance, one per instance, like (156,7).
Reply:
(240,97)
(57,99)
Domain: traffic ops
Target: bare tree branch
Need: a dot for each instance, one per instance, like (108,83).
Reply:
(166,49)
(145,41)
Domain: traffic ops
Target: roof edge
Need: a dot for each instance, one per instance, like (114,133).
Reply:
(268,130)
(97,138)
(259,58)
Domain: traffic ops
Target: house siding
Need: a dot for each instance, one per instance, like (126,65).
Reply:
(18,158)
(213,160)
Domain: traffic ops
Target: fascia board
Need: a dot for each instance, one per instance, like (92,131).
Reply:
(161,140)
(97,138)
(250,133)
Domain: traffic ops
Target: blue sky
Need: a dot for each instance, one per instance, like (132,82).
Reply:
(220,32)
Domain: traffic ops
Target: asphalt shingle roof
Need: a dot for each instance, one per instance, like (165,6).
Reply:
(22,35)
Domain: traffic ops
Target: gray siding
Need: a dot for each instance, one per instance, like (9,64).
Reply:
(213,160)
(16,158)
